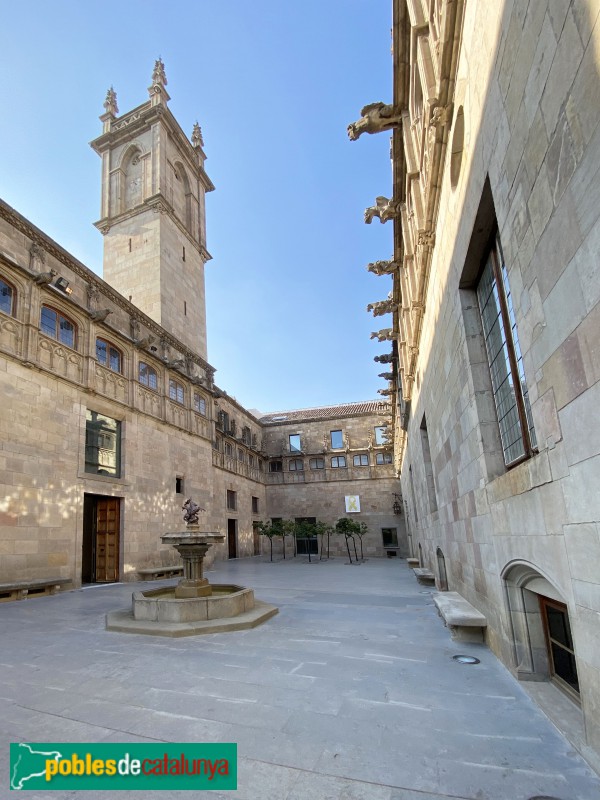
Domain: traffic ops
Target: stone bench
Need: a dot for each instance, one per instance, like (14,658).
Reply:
(466,624)
(424,576)
(22,589)
(156,573)
(412,562)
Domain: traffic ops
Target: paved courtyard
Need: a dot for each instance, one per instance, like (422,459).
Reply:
(350,693)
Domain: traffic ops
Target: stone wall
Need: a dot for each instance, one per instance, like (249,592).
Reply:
(527,85)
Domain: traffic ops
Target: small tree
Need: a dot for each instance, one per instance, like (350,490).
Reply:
(269,530)
(348,527)
(323,529)
(360,532)
(286,527)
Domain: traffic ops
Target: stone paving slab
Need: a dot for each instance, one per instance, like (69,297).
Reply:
(350,693)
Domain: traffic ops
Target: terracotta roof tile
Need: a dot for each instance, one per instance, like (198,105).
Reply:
(325,412)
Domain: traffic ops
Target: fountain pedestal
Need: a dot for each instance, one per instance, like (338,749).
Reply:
(192,545)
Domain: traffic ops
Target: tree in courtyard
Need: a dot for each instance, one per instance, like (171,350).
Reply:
(323,530)
(349,528)
(269,530)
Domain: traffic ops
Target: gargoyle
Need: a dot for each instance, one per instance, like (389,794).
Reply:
(175,363)
(386,358)
(384,335)
(382,307)
(191,509)
(374,118)
(44,278)
(387,376)
(146,341)
(384,208)
(100,316)
(385,392)
(383,267)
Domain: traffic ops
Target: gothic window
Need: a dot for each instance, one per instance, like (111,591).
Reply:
(176,391)
(59,327)
(108,355)
(509,387)
(7,298)
(148,376)
(199,404)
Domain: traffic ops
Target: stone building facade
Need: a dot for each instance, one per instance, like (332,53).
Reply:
(496,322)
(110,413)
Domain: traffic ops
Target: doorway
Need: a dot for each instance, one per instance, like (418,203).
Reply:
(232,538)
(101,533)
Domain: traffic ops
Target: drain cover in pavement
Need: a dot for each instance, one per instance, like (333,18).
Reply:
(470,660)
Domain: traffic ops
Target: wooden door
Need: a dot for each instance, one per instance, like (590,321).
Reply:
(232,538)
(107,540)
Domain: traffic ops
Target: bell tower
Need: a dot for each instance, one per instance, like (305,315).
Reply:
(153,215)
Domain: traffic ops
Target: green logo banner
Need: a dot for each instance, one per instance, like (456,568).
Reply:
(68,765)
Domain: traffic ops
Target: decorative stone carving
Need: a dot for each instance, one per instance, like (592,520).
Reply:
(37,257)
(134,327)
(382,307)
(426,238)
(44,278)
(386,358)
(383,267)
(175,363)
(92,296)
(387,376)
(100,315)
(159,77)
(110,102)
(144,342)
(374,118)
(384,208)
(385,392)
(197,140)
(384,335)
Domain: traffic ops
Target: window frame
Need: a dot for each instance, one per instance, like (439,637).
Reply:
(57,328)
(199,404)
(293,448)
(341,445)
(95,467)
(383,458)
(109,346)
(231,500)
(313,465)
(337,465)
(176,391)
(361,463)
(381,437)
(12,312)
(276,466)
(494,257)
(147,382)
(296,465)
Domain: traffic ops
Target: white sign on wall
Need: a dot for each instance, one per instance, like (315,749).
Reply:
(352,503)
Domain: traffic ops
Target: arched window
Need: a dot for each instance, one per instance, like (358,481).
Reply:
(59,327)
(176,391)
(108,355)
(8,298)
(148,376)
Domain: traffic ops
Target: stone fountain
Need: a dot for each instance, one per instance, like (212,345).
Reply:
(194,606)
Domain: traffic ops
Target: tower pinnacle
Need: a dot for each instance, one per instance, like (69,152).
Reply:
(110,103)
(158,76)
(197,140)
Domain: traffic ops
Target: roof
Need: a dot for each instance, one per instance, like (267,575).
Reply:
(325,412)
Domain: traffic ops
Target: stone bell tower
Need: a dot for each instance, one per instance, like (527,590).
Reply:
(153,212)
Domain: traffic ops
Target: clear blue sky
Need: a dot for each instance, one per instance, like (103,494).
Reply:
(273,84)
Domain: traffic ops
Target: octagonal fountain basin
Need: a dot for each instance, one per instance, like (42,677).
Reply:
(224,602)
(158,612)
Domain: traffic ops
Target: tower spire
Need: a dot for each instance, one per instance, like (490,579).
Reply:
(197,140)
(157,90)
(110,103)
